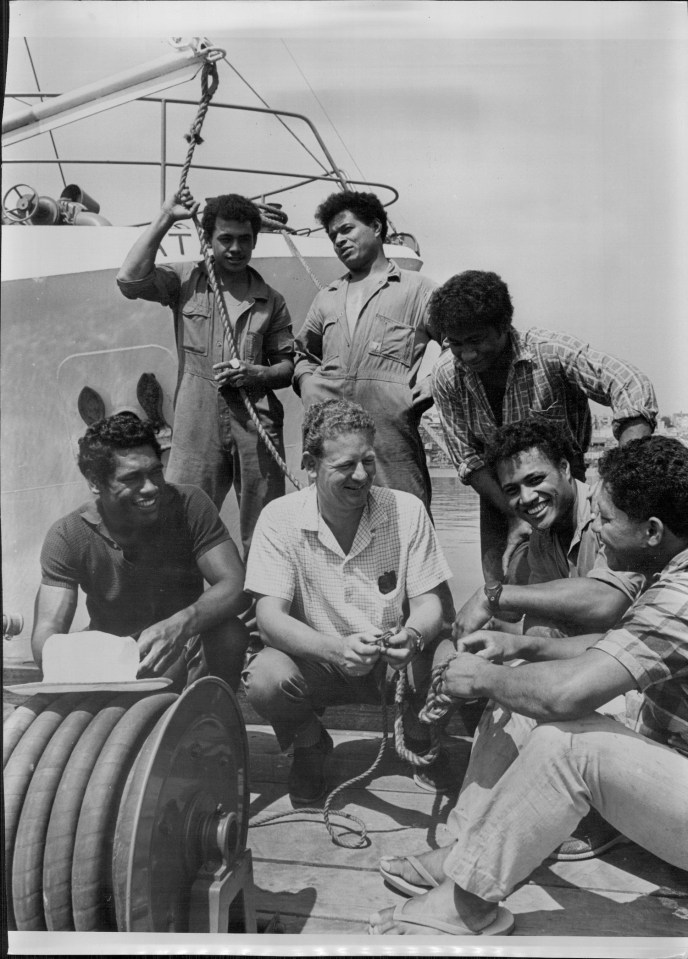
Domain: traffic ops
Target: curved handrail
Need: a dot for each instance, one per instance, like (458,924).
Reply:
(333,175)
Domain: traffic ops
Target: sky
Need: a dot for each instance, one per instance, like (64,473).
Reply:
(546,141)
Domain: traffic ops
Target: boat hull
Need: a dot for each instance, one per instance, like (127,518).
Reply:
(65,325)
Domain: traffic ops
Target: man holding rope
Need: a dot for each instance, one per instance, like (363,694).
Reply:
(215,443)
(347,578)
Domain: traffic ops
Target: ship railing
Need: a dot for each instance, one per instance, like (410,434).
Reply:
(331,173)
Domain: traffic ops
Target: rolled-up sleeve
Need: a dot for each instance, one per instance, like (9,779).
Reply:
(461,445)
(309,344)
(606,379)
(279,340)
(161,285)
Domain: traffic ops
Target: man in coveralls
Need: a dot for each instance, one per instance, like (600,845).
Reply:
(364,339)
(215,443)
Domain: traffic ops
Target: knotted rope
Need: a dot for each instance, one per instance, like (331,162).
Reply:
(358,839)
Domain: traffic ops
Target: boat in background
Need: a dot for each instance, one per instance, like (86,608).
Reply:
(66,327)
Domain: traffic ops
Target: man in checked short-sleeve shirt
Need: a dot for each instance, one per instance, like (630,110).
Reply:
(333,567)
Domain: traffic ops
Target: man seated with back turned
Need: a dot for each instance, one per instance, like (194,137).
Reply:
(140,550)
(570,588)
(543,756)
(333,567)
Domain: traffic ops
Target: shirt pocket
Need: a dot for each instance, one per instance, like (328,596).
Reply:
(331,344)
(392,340)
(196,327)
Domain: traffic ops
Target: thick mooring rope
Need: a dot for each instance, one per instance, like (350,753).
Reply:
(209,84)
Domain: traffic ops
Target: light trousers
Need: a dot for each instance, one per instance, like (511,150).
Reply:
(527,787)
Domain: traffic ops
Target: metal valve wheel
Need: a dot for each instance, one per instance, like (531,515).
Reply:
(25,200)
(128,813)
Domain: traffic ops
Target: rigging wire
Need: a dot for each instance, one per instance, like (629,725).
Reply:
(322,107)
(50,133)
(283,122)
(330,120)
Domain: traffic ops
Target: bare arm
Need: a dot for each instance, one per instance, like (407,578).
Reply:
(161,644)
(355,654)
(585,603)
(547,691)
(633,429)
(53,613)
(140,259)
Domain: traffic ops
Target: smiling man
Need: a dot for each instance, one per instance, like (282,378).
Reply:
(215,444)
(544,755)
(333,567)
(570,588)
(492,375)
(365,336)
(141,551)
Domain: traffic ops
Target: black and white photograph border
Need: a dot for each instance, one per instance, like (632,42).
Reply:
(545,140)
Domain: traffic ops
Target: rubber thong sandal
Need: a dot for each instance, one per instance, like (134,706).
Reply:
(403,885)
(502,925)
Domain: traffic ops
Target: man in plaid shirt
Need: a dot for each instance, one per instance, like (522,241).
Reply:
(492,375)
(543,755)
(333,567)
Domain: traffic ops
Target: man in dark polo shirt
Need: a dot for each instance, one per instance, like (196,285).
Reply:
(142,551)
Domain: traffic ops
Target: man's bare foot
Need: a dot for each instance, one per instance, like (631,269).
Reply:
(437,910)
(431,865)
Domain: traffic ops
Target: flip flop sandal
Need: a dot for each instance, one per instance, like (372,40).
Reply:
(403,885)
(502,925)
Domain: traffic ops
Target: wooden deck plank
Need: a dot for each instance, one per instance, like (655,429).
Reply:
(334,894)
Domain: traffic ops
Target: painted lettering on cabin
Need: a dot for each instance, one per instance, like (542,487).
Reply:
(179,237)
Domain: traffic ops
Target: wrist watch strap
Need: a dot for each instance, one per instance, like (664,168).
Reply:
(417,636)
(493,593)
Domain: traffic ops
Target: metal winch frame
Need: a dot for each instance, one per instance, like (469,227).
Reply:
(128,812)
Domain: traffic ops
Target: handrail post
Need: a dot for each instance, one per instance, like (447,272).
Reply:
(163,150)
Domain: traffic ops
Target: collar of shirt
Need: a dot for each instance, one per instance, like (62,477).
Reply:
(257,287)
(373,516)
(678,564)
(583,508)
(393,273)
(91,514)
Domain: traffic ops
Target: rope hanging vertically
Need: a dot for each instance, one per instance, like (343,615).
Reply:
(194,138)
(209,84)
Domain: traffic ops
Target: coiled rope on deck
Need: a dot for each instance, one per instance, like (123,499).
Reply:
(209,84)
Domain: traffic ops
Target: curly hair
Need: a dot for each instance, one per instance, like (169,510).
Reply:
(471,297)
(365,206)
(102,439)
(229,206)
(649,477)
(326,420)
(531,433)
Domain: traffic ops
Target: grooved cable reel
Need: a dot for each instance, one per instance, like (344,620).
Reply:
(128,813)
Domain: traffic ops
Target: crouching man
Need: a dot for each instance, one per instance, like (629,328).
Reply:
(570,588)
(334,567)
(141,550)
(543,756)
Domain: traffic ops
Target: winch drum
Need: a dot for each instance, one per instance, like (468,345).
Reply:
(128,813)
